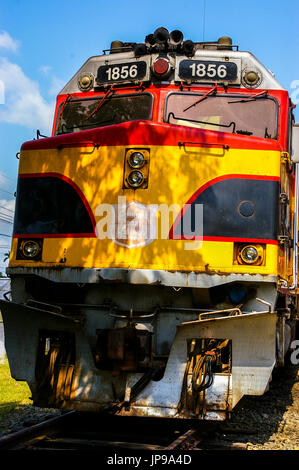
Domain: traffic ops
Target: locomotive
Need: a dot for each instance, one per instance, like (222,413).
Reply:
(154,255)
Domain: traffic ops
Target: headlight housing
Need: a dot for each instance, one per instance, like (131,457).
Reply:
(136,160)
(29,249)
(250,254)
(135,179)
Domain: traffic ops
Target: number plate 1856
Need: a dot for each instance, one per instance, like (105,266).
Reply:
(121,72)
(208,70)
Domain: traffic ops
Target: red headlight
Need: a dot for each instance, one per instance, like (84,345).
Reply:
(161,66)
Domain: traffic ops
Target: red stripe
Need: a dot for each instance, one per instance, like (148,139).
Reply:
(70,182)
(150,133)
(92,235)
(210,183)
(230,239)
(55,235)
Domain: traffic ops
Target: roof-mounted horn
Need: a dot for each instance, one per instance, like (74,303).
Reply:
(176,37)
(161,35)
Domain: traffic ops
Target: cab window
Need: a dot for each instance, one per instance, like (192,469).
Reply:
(234,114)
(81,114)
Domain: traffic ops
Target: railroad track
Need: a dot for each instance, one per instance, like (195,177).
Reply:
(85,431)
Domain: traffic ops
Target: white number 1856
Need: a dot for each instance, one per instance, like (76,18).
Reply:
(211,71)
(126,71)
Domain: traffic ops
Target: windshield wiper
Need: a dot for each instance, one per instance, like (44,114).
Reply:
(244,132)
(68,98)
(202,122)
(251,98)
(63,126)
(203,97)
(108,92)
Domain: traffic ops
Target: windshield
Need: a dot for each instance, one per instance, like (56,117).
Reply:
(80,114)
(235,114)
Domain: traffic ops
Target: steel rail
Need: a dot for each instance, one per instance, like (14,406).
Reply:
(75,431)
(16,439)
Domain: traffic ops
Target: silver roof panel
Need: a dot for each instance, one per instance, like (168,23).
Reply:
(245,61)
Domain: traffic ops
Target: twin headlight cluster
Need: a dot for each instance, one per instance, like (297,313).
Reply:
(136,160)
(136,168)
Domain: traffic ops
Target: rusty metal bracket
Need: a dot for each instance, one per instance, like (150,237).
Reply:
(283,198)
(283,239)
(285,158)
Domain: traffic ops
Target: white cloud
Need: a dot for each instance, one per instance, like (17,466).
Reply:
(24,103)
(56,86)
(45,69)
(7,42)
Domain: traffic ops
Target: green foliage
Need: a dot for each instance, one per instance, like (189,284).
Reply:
(13,394)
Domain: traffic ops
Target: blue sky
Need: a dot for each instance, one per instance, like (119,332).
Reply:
(42,44)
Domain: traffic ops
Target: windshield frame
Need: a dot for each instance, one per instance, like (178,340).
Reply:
(98,97)
(240,96)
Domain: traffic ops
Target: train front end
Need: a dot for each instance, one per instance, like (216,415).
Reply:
(152,264)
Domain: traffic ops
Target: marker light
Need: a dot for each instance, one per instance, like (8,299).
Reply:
(85,82)
(251,78)
(161,67)
(136,160)
(135,178)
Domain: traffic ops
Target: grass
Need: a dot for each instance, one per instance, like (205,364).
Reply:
(12,393)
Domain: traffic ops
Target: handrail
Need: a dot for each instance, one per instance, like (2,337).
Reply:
(295,231)
(205,144)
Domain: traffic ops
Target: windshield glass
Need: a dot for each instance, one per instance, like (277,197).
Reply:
(78,115)
(238,114)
